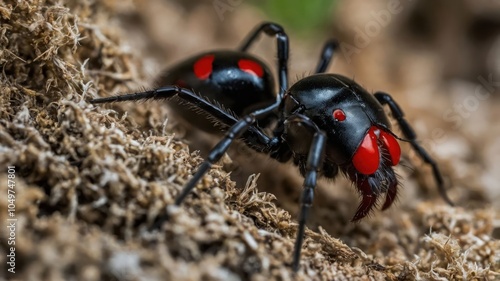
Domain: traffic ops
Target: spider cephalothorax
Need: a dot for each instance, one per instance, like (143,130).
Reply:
(359,139)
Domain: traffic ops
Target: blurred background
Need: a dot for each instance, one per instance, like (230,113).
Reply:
(439,59)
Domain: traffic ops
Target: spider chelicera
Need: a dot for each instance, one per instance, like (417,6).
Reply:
(324,123)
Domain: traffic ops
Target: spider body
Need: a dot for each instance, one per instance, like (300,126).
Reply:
(325,123)
(235,80)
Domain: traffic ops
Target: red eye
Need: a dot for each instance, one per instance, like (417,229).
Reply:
(339,115)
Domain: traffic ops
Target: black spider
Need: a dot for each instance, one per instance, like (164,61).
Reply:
(325,123)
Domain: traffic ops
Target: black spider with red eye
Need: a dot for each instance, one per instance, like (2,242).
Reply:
(324,123)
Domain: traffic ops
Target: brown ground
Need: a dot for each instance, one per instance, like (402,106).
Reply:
(91,179)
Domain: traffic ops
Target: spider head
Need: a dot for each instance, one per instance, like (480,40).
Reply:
(366,152)
(359,139)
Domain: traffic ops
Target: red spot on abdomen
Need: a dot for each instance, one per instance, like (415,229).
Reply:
(251,67)
(203,67)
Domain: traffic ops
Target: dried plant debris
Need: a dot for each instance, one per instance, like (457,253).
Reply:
(89,181)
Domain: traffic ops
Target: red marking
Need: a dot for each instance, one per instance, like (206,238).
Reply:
(203,67)
(339,115)
(367,157)
(250,66)
(392,145)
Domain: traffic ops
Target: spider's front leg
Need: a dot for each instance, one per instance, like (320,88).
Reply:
(310,143)
(314,162)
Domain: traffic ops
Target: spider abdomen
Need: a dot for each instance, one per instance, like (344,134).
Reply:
(236,81)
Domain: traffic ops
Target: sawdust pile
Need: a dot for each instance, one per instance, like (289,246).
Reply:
(90,180)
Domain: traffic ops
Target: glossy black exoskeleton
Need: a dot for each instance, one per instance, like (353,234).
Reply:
(235,80)
(325,123)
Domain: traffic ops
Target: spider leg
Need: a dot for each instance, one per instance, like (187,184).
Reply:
(410,134)
(314,163)
(258,140)
(168,92)
(243,128)
(326,55)
(215,154)
(272,29)
(236,131)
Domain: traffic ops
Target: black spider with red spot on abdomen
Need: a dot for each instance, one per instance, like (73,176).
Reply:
(325,123)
